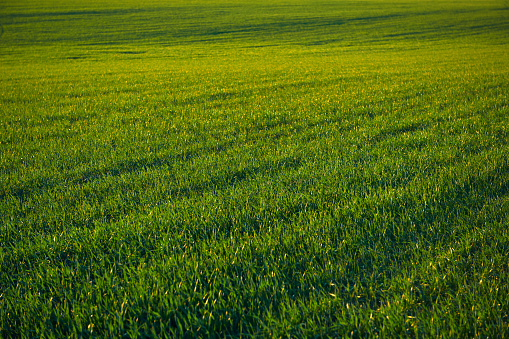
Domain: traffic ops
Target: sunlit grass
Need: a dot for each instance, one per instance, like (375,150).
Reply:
(259,169)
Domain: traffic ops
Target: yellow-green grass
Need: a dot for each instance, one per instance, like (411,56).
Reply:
(282,168)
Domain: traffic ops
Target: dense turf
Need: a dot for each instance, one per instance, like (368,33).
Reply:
(264,168)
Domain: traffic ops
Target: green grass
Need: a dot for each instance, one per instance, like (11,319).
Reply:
(265,169)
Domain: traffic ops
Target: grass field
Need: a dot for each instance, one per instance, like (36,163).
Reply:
(254,168)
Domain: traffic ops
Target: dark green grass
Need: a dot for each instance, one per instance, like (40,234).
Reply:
(256,169)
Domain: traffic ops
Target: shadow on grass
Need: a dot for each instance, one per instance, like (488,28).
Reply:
(272,273)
